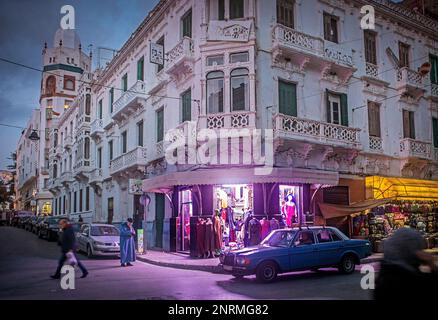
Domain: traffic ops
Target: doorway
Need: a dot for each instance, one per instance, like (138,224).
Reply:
(159,219)
(183,220)
(110,210)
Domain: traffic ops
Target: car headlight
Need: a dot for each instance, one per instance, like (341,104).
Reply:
(243,261)
(98,243)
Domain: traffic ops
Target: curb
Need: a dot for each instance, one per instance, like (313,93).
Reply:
(213,269)
(216,269)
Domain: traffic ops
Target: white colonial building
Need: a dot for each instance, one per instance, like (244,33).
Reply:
(39,162)
(347,107)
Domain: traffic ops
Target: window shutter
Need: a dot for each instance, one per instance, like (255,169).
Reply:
(327,106)
(326,27)
(186,106)
(435,132)
(406,124)
(412,124)
(287,98)
(140,69)
(434,69)
(344,110)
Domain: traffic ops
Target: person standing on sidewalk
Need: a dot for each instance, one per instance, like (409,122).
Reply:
(68,244)
(127,243)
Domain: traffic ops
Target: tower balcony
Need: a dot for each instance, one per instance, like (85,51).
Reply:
(66,178)
(232,120)
(81,168)
(129,102)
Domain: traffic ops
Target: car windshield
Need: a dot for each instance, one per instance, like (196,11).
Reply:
(279,238)
(104,231)
(53,221)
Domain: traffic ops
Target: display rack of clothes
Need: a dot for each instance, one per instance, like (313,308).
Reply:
(205,238)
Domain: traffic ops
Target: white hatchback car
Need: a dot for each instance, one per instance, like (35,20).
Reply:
(99,240)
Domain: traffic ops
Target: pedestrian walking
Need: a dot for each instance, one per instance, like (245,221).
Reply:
(127,243)
(401,276)
(68,247)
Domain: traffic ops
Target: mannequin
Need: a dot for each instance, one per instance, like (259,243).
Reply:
(200,237)
(209,239)
(289,209)
(254,232)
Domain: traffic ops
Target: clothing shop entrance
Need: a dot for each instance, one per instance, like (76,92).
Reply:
(291,204)
(185,212)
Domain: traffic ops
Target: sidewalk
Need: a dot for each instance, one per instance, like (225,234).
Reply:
(184,261)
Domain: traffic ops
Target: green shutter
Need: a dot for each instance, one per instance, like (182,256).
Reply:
(160,127)
(434,69)
(186,106)
(344,110)
(412,124)
(435,132)
(140,69)
(287,98)
(327,106)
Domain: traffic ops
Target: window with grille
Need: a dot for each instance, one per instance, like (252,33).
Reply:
(285,12)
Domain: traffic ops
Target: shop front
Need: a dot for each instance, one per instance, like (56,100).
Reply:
(392,203)
(216,209)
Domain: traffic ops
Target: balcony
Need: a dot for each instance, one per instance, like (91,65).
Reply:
(96,128)
(68,142)
(81,168)
(55,184)
(66,178)
(305,50)
(410,148)
(288,127)
(435,154)
(96,176)
(132,161)
(181,58)
(434,90)
(375,144)
(371,70)
(410,82)
(233,120)
(130,101)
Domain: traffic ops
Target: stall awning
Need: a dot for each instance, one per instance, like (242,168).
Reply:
(165,182)
(401,188)
(335,210)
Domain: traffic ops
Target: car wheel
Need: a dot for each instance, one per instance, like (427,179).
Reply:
(89,252)
(266,272)
(347,265)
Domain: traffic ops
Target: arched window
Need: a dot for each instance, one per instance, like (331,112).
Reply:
(51,85)
(88,104)
(69,83)
(215,92)
(239,90)
(87,148)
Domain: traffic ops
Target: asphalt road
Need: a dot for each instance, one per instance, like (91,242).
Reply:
(26,263)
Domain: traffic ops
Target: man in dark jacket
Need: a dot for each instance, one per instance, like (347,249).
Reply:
(68,244)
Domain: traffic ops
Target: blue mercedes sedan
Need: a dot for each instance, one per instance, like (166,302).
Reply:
(287,250)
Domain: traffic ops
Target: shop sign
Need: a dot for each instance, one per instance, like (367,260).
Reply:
(135,186)
(157,53)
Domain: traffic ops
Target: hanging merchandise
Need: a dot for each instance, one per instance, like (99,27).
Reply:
(254,237)
(265,227)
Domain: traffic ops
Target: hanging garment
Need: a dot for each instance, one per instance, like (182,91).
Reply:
(218,233)
(209,236)
(200,237)
(289,209)
(254,232)
(245,231)
(265,227)
(274,224)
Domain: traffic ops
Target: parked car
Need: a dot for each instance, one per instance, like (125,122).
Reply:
(22,221)
(19,217)
(29,222)
(99,240)
(295,249)
(35,223)
(49,228)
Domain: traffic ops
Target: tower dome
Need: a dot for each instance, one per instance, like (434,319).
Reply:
(69,39)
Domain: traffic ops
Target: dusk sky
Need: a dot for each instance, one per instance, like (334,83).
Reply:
(24,27)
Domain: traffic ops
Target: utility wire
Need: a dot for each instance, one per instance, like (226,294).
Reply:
(91,82)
